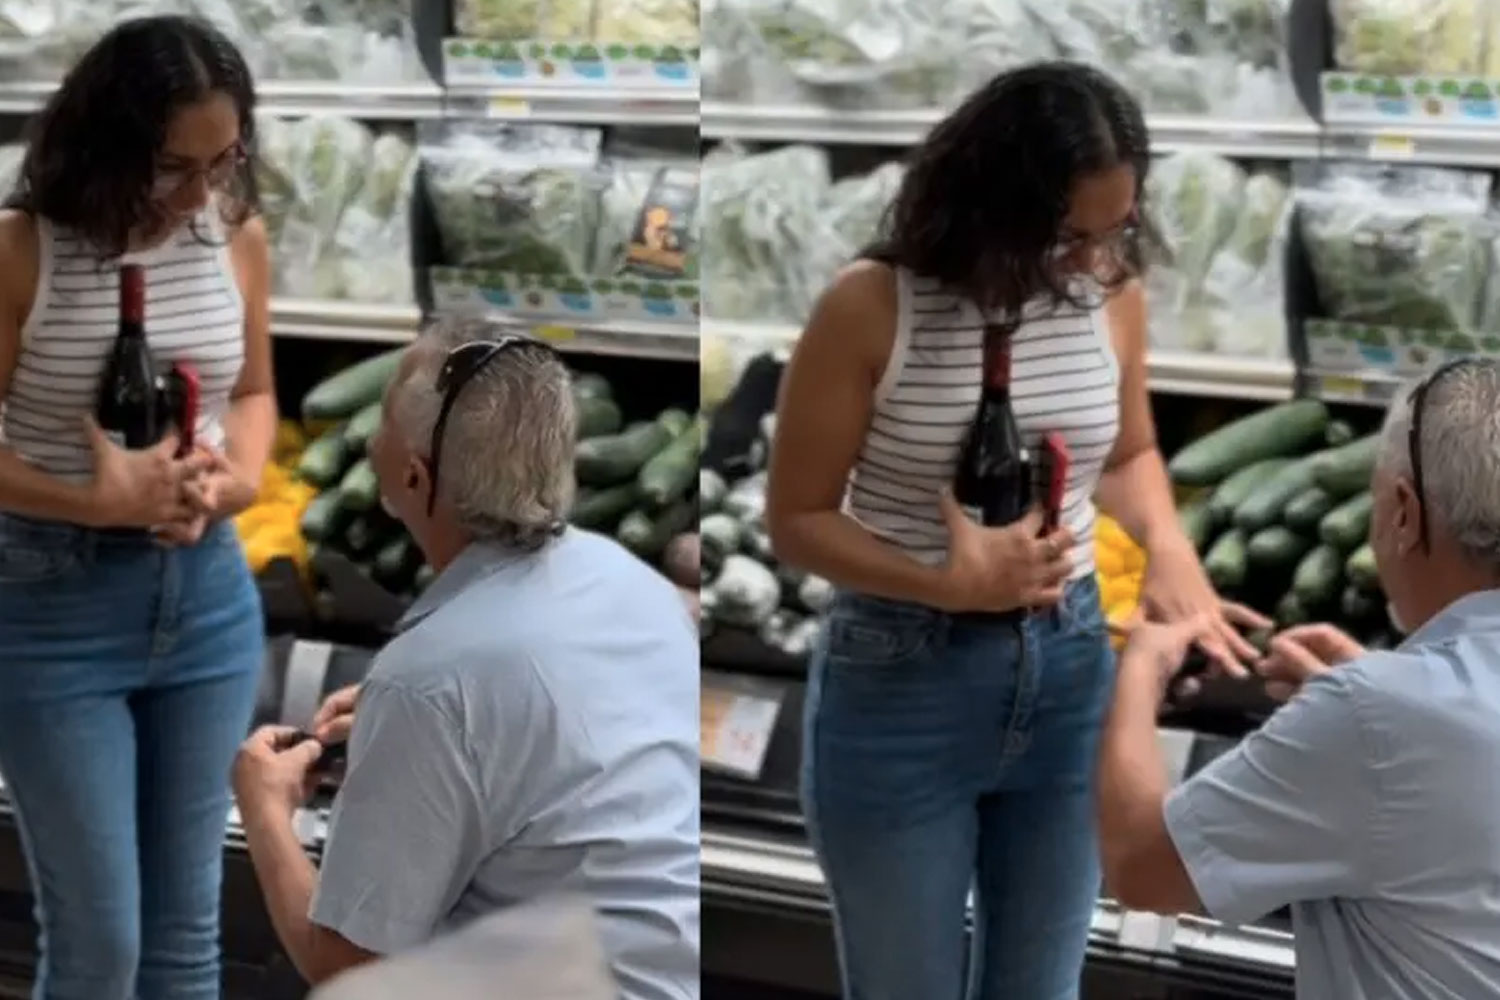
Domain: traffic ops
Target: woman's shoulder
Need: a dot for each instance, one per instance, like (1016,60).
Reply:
(21,257)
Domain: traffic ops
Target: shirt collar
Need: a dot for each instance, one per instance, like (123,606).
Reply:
(1476,612)
(478,561)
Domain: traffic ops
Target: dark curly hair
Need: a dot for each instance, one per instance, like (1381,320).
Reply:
(985,195)
(92,151)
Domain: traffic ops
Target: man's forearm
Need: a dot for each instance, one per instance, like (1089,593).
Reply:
(1132,775)
(287,880)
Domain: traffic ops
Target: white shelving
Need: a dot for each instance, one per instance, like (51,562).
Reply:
(574,106)
(396,102)
(350,321)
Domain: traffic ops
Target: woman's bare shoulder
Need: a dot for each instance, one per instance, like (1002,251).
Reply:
(19,259)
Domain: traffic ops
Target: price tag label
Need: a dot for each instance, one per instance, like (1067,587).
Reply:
(1392,146)
(736,722)
(1343,385)
(1147,932)
(509,107)
(555,334)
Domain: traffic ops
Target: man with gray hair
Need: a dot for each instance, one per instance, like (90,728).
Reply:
(1370,802)
(532,729)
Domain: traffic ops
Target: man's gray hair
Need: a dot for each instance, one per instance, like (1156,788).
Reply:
(1460,454)
(507,460)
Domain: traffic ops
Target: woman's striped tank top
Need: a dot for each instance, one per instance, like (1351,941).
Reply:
(194,314)
(1064,378)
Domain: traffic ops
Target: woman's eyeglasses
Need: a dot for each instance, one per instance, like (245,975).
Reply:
(169,180)
(462,364)
(1106,256)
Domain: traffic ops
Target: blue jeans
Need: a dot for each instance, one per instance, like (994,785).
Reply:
(127,680)
(945,754)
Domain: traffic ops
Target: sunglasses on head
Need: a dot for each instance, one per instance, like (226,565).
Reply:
(459,368)
(1414,432)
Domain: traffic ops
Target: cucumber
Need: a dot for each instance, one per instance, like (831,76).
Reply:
(359,487)
(675,421)
(1356,605)
(615,458)
(670,472)
(1197,522)
(711,490)
(1226,560)
(597,416)
(815,594)
(1345,471)
(361,537)
(396,562)
(647,536)
(1261,640)
(746,594)
(1306,510)
(1337,433)
(1265,504)
(1289,611)
(589,385)
(1347,526)
(425,575)
(1233,491)
(721,535)
(323,462)
(1276,432)
(324,517)
(361,428)
(1275,548)
(598,510)
(345,393)
(1318,576)
(1361,569)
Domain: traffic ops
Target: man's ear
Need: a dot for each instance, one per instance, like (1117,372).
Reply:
(1408,514)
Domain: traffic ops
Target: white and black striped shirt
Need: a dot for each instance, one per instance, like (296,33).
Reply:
(194,314)
(1064,378)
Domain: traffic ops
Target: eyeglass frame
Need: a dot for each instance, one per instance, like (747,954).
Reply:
(1120,241)
(451,380)
(229,161)
(1418,404)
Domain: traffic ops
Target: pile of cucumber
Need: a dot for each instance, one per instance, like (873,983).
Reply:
(636,481)
(744,587)
(1280,511)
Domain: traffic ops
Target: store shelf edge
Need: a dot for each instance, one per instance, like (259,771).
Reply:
(291,99)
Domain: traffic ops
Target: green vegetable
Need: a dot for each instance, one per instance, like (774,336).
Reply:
(597,417)
(1265,504)
(815,594)
(324,517)
(1316,581)
(599,510)
(425,575)
(1226,560)
(590,385)
(1338,433)
(711,490)
(1358,605)
(323,462)
(1306,509)
(1261,640)
(1233,491)
(347,392)
(1276,547)
(647,536)
(361,537)
(614,458)
(746,593)
(1347,526)
(1197,522)
(1277,432)
(361,428)
(670,472)
(397,561)
(1362,570)
(360,488)
(1290,611)
(721,535)
(1345,471)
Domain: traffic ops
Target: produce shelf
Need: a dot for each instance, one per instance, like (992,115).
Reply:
(396,101)
(374,324)
(1369,387)
(1453,145)
(577,106)
(1292,139)
(1177,372)
(733,863)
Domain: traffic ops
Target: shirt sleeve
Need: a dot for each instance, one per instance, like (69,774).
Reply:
(406,833)
(1285,815)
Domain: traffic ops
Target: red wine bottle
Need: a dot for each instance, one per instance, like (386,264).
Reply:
(993,480)
(127,409)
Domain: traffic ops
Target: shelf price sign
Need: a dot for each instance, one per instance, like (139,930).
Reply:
(737,717)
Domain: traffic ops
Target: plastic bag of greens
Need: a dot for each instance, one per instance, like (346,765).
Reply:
(561,20)
(11,155)
(1397,246)
(327,159)
(653,22)
(765,254)
(373,239)
(514,197)
(1409,36)
(647,219)
(855,207)
(1242,295)
(274,170)
(991,36)
(1195,200)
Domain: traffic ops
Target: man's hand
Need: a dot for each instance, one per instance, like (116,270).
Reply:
(271,780)
(1304,652)
(335,717)
(1162,648)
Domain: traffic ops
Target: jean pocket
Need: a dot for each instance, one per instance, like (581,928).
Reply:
(863,641)
(37,552)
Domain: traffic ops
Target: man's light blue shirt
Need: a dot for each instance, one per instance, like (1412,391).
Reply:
(1371,804)
(532,730)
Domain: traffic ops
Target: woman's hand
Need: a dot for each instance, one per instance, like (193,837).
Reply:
(1001,569)
(334,720)
(140,489)
(1176,589)
(219,492)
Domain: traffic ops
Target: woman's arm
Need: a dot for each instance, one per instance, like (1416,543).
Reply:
(24,489)
(823,414)
(1134,489)
(250,424)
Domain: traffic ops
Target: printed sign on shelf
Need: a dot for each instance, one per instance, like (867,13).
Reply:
(737,718)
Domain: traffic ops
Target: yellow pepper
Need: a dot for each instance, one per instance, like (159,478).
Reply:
(1119,566)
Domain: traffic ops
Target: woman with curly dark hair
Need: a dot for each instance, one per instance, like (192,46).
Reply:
(958,690)
(130,628)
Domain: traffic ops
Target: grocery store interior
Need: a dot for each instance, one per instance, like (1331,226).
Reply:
(1322,186)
